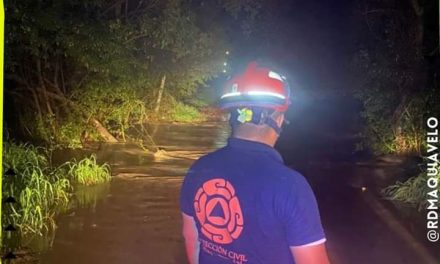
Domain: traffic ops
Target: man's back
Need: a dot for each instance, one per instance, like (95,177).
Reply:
(248,206)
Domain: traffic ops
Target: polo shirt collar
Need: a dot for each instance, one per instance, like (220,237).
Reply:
(254,146)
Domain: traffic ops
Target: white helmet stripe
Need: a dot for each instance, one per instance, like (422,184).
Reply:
(230,94)
(257,93)
(267,93)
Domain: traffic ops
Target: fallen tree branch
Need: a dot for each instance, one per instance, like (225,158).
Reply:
(103,132)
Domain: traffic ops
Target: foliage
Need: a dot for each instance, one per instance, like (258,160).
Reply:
(70,132)
(413,191)
(117,110)
(19,157)
(173,110)
(41,192)
(186,113)
(391,81)
(88,172)
(380,134)
(70,61)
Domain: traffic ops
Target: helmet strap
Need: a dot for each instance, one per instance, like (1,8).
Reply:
(273,124)
(257,116)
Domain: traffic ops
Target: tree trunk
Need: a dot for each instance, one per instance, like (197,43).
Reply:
(103,131)
(399,110)
(159,95)
(43,87)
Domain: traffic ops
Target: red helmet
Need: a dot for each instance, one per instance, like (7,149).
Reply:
(257,86)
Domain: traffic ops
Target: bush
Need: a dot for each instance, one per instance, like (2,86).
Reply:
(43,191)
(381,135)
(185,113)
(118,110)
(69,134)
(414,191)
(40,191)
(18,156)
(88,172)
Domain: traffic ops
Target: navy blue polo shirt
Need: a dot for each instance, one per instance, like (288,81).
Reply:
(248,206)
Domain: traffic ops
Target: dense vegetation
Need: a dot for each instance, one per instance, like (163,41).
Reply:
(90,69)
(398,84)
(414,191)
(41,190)
(96,70)
(397,79)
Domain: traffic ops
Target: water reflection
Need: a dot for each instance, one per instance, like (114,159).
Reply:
(88,196)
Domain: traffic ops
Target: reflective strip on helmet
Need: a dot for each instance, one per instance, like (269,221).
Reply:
(266,93)
(257,93)
(230,94)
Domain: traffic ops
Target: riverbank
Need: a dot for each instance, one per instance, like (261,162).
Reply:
(406,220)
(360,225)
(36,191)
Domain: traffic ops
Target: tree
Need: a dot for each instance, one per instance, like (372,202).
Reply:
(90,67)
(391,69)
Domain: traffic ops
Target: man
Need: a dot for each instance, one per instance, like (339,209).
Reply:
(241,204)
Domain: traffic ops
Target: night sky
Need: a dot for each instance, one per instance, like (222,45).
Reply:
(311,40)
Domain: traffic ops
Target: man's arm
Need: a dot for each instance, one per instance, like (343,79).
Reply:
(191,236)
(310,254)
(298,210)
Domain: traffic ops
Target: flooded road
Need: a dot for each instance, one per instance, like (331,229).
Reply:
(137,219)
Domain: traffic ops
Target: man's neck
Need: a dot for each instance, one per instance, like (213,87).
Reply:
(266,140)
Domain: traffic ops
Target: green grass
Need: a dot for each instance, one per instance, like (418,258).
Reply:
(186,113)
(42,191)
(19,156)
(414,191)
(88,172)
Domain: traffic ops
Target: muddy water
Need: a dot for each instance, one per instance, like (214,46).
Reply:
(137,220)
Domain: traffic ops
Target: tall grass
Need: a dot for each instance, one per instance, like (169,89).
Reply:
(88,172)
(42,191)
(414,191)
(176,111)
(186,113)
(19,156)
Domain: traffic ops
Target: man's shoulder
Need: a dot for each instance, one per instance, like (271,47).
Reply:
(208,158)
(211,155)
(284,177)
(289,173)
